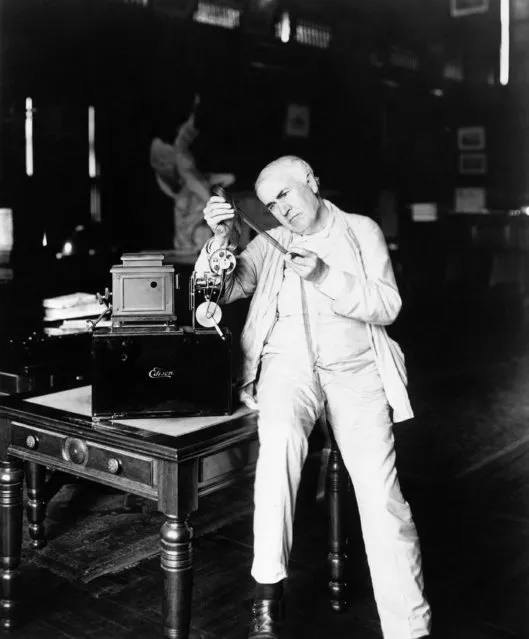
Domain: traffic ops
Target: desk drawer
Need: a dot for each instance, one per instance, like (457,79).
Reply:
(224,467)
(82,454)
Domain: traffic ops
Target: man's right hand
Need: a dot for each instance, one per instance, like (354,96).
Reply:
(219,216)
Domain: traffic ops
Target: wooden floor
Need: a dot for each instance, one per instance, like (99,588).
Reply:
(464,467)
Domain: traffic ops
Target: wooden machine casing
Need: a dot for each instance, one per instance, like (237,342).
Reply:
(143,289)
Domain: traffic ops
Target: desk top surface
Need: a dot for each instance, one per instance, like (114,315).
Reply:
(70,412)
(79,402)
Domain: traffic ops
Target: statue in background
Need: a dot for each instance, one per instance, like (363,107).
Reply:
(180,179)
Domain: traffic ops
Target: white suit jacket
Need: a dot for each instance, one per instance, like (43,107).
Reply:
(371,297)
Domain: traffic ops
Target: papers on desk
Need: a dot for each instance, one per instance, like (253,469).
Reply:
(76,400)
(174,426)
(79,402)
(71,306)
(71,327)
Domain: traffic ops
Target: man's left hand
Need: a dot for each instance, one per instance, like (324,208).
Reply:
(307,265)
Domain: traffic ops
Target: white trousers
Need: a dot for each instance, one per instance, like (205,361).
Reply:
(290,402)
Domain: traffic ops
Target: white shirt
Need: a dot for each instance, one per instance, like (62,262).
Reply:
(340,343)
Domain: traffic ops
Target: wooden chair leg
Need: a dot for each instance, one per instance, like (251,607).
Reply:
(323,476)
(337,482)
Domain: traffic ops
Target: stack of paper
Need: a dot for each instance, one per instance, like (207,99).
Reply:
(76,326)
(70,306)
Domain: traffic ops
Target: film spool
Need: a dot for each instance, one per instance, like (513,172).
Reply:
(208,314)
(222,261)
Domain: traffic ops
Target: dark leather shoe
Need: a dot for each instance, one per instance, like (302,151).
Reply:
(265,619)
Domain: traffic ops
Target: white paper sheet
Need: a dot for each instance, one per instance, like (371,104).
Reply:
(79,401)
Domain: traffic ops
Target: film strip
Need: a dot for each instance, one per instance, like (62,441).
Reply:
(222,263)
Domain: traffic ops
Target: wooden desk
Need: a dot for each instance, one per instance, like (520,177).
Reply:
(171,461)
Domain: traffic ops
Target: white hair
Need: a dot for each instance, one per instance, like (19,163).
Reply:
(289,164)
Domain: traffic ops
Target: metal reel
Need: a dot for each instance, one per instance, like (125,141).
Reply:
(208,314)
(222,261)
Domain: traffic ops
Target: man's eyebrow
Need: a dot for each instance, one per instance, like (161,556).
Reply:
(282,192)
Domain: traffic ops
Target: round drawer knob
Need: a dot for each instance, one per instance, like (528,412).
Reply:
(114,465)
(75,450)
(31,441)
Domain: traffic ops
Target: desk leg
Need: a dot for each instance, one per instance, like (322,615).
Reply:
(36,505)
(11,507)
(177,567)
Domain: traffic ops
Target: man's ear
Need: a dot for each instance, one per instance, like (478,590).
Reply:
(313,182)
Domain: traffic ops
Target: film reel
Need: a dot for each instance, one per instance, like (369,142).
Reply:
(222,261)
(208,314)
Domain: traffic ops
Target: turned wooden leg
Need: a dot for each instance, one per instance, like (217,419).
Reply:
(177,567)
(11,507)
(324,460)
(36,504)
(336,559)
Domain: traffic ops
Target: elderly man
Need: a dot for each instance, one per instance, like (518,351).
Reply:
(314,344)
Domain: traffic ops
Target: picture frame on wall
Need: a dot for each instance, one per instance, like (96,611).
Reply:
(470,199)
(520,10)
(471,138)
(460,8)
(473,163)
(297,123)
(424,212)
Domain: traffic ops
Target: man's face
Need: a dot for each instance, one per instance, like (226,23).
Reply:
(292,202)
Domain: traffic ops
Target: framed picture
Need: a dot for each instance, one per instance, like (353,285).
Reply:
(470,200)
(520,9)
(424,212)
(460,8)
(472,163)
(297,124)
(471,138)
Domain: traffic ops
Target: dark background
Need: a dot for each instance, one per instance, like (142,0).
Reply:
(376,123)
